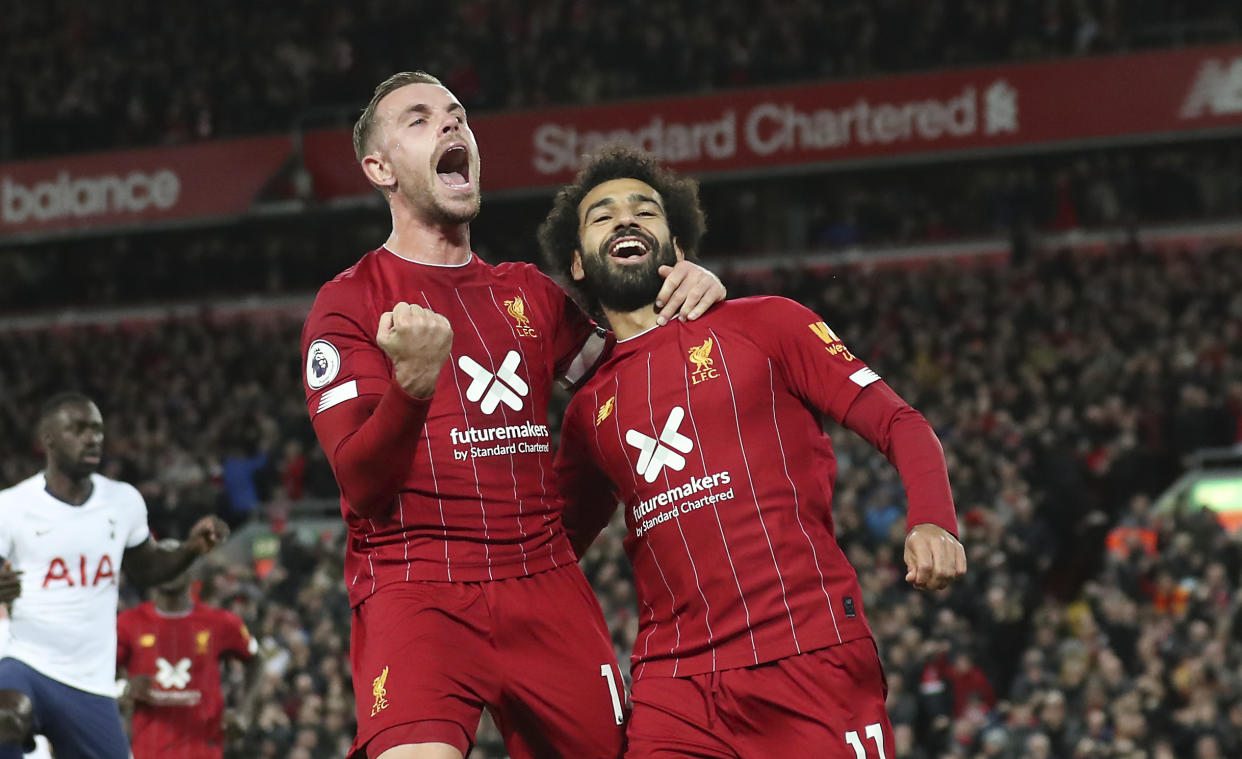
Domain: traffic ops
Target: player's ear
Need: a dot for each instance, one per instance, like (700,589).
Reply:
(378,171)
(681,254)
(43,433)
(575,267)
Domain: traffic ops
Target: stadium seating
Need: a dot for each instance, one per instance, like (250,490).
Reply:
(1065,391)
(78,78)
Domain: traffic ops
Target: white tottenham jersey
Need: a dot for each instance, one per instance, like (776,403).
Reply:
(64,622)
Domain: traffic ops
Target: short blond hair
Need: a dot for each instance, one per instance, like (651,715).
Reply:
(366,122)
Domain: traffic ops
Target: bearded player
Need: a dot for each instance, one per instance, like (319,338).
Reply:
(753,641)
(65,535)
(171,648)
(428,374)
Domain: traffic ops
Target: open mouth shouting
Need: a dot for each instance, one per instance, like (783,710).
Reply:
(631,248)
(453,168)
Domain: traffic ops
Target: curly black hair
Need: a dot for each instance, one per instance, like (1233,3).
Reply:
(558,234)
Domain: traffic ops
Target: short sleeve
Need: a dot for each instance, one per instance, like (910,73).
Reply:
(235,639)
(814,361)
(139,532)
(340,359)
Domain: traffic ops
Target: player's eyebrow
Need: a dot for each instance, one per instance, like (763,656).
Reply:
(636,197)
(597,204)
(424,109)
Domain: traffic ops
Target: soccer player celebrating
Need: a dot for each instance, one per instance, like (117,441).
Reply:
(753,641)
(171,650)
(428,374)
(65,534)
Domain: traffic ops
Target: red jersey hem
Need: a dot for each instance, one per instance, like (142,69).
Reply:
(701,664)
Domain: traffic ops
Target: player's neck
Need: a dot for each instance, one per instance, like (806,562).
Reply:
(429,242)
(626,324)
(62,487)
(177,607)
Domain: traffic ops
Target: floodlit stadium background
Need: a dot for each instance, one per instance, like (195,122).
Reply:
(1025,214)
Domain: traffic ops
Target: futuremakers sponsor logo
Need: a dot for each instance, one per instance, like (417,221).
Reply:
(771,127)
(70,197)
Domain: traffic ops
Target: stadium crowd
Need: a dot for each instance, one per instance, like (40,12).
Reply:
(78,79)
(1066,391)
(996,198)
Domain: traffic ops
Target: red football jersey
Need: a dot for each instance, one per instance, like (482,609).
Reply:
(710,435)
(182,654)
(478,502)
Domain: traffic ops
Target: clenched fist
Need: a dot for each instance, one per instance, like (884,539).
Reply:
(934,558)
(417,340)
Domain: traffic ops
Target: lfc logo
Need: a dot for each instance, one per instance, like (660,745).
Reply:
(379,693)
(203,638)
(517,310)
(605,410)
(835,346)
(701,355)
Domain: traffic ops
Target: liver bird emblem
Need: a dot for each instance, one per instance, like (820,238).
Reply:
(701,356)
(517,309)
(380,693)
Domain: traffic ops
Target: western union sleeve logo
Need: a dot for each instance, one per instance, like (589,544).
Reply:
(834,344)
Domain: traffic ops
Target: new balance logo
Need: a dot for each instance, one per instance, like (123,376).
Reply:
(172,675)
(654,455)
(490,390)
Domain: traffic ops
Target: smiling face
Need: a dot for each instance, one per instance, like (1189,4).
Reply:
(423,150)
(624,239)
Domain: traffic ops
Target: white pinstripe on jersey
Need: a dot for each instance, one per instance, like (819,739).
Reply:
(616,389)
(505,416)
(737,422)
(448,564)
(461,397)
(707,610)
(750,630)
(780,444)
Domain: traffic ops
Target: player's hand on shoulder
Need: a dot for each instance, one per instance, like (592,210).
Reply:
(417,340)
(934,558)
(10,583)
(206,534)
(688,291)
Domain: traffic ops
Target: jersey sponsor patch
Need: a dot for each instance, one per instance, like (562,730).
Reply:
(339,394)
(490,390)
(863,377)
(323,362)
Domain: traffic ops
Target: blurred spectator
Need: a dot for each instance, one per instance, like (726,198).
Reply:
(1040,379)
(993,199)
(79,76)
